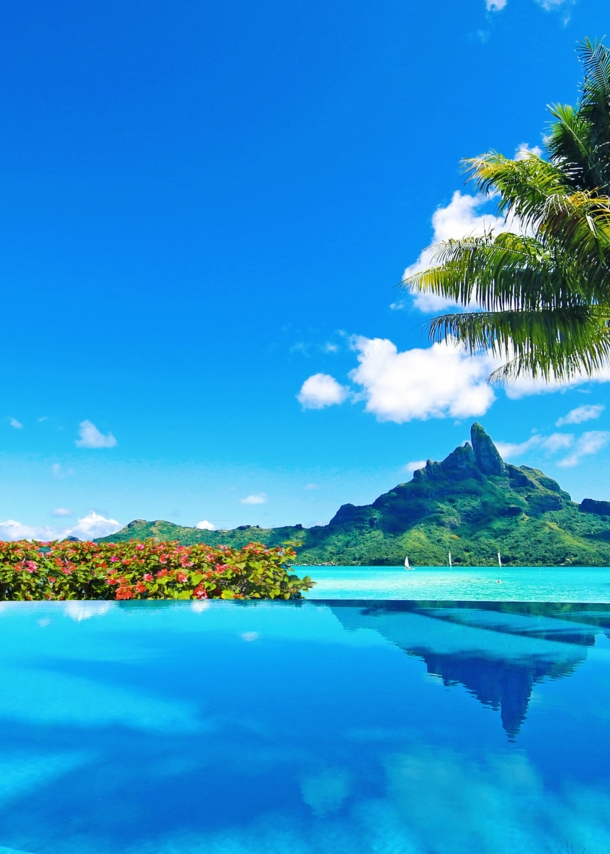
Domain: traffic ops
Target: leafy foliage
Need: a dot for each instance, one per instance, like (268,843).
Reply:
(146,570)
(542,288)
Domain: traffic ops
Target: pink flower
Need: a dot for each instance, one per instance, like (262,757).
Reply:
(147,576)
(114,559)
(182,577)
(140,546)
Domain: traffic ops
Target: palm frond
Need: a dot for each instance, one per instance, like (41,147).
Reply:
(549,344)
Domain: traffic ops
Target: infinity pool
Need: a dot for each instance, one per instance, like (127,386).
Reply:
(521,583)
(313,727)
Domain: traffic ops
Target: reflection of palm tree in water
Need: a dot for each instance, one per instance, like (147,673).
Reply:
(498,652)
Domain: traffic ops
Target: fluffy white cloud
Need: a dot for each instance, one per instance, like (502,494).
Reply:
(259,498)
(588,444)
(16,424)
(580,414)
(62,511)
(524,150)
(495,5)
(12,530)
(321,390)
(458,219)
(88,528)
(93,525)
(90,437)
(414,466)
(438,382)
(204,525)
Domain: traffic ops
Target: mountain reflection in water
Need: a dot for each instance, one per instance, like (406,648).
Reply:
(497,651)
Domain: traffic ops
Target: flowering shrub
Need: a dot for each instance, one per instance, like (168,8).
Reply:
(146,570)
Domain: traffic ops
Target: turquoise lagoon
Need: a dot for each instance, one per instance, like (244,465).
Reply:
(373,727)
(521,584)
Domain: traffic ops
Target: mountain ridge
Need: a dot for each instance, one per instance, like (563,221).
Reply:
(472,504)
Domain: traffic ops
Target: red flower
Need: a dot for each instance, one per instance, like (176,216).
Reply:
(200,592)
(140,587)
(182,577)
(147,576)
(124,593)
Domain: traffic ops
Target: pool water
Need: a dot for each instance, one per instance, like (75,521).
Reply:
(382,727)
(522,583)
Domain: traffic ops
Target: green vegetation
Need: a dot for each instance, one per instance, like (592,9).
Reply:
(471,504)
(542,288)
(149,570)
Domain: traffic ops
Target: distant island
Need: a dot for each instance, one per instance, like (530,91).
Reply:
(471,504)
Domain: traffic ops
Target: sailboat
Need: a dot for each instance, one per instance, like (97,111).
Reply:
(407,564)
(450,563)
(499,560)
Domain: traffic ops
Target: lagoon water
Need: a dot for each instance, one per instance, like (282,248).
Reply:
(296,728)
(523,583)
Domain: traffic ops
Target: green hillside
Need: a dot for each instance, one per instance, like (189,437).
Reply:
(472,504)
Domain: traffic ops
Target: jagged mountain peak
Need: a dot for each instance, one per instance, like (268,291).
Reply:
(486,454)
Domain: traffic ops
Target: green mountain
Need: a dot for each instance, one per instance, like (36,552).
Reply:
(471,504)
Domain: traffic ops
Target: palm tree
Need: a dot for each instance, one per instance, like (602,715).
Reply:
(542,288)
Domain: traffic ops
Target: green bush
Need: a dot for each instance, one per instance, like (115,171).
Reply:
(146,570)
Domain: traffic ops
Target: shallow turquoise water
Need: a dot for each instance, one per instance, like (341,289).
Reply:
(273,728)
(524,584)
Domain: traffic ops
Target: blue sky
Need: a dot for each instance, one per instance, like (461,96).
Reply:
(208,205)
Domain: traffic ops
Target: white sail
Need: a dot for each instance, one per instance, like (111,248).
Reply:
(407,564)
(499,559)
(450,563)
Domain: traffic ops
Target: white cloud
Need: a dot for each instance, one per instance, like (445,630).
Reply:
(16,424)
(311,486)
(88,528)
(458,219)
(62,511)
(557,442)
(524,150)
(526,386)
(321,390)
(441,381)
(438,382)
(549,444)
(414,466)
(580,414)
(204,525)
(495,5)
(12,530)
(93,525)
(259,498)
(588,444)
(90,437)
(461,219)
